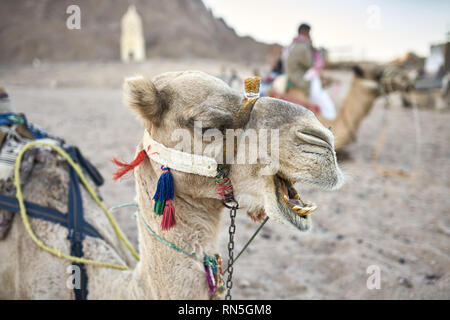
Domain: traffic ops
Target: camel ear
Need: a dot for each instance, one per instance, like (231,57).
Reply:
(358,71)
(142,97)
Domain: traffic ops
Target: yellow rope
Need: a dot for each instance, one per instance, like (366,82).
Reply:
(91,191)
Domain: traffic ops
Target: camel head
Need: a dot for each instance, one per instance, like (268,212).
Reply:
(383,80)
(299,148)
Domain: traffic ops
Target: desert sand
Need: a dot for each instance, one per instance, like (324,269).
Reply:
(401,225)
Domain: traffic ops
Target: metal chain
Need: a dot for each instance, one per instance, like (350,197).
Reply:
(231,232)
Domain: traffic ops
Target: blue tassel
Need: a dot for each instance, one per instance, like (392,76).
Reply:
(164,190)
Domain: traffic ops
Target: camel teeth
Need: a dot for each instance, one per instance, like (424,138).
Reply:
(304,211)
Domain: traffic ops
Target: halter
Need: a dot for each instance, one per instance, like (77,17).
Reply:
(179,160)
(170,158)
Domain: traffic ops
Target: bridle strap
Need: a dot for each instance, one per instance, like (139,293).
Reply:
(179,160)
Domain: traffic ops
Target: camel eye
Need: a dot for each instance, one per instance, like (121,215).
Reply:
(204,129)
(213,131)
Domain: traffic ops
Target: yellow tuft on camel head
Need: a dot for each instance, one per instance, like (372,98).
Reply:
(251,86)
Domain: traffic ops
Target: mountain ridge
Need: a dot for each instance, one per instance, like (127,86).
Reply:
(32,29)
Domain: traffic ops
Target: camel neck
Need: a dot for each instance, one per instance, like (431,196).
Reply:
(165,273)
(358,103)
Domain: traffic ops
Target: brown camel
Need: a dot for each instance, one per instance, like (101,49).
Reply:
(368,84)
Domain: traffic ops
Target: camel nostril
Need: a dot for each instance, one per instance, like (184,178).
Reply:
(322,137)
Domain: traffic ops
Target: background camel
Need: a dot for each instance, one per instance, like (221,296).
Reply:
(368,84)
(171,101)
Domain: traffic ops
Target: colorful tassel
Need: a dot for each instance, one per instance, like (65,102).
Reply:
(168,220)
(126,167)
(158,208)
(209,279)
(214,274)
(163,196)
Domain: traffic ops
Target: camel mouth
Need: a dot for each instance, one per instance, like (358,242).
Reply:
(292,207)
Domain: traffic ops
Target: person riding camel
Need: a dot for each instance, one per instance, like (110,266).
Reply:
(303,64)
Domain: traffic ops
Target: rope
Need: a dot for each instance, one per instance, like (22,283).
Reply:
(249,241)
(175,247)
(90,190)
(381,141)
(353,133)
(128,204)
(164,241)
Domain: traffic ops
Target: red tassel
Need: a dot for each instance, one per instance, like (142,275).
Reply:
(168,220)
(126,167)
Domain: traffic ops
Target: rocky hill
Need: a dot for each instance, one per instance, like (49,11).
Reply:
(172,28)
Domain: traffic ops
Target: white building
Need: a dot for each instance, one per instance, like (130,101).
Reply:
(436,59)
(132,42)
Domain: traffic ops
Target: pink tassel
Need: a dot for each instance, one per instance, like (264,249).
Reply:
(168,220)
(212,287)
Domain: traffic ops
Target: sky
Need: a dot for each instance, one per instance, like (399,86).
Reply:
(371,30)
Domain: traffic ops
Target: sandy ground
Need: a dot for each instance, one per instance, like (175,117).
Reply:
(401,225)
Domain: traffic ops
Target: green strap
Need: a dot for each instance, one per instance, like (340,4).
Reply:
(249,241)
(164,241)
(129,204)
(173,246)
